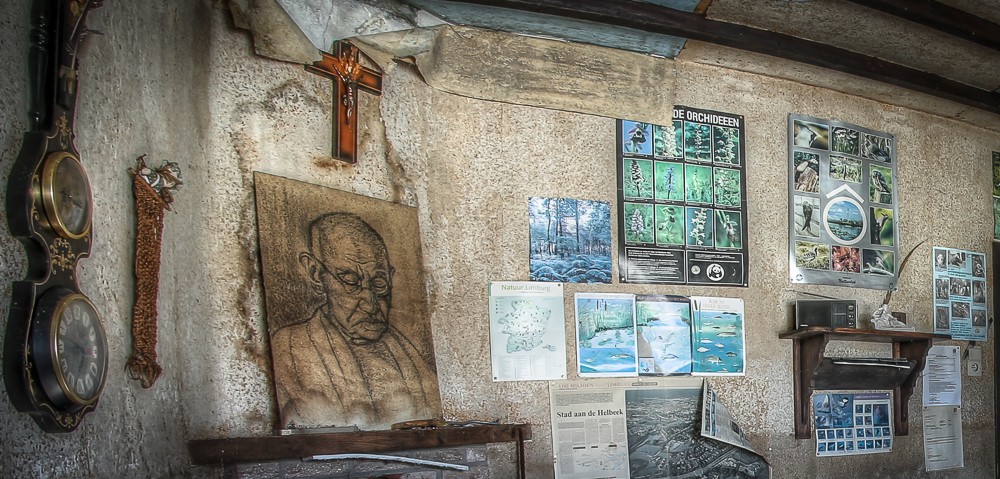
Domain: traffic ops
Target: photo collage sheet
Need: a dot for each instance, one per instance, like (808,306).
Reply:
(620,335)
(682,200)
(960,295)
(842,208)
(852,423)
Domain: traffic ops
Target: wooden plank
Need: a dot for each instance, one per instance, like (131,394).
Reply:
(939,16)
(653,18)
(867,335)
(271,448)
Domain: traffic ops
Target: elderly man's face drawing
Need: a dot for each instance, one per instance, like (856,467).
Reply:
(349,264)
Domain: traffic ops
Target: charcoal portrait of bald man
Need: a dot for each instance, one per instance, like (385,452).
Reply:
(351,358)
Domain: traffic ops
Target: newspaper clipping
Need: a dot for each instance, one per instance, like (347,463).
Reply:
(646,429)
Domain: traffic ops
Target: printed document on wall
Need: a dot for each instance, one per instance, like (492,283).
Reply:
(943,377)
(527,331)
(943,446)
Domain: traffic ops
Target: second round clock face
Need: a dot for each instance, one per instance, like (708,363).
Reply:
(70,349)
(66,195)
(81,351)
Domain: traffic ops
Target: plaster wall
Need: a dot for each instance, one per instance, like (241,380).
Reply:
(178,82)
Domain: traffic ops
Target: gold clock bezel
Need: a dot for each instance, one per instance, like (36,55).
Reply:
(48,194)
(46,349)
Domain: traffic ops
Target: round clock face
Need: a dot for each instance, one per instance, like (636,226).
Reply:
(66,195)
(70,349)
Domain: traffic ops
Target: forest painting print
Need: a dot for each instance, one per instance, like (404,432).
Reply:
(570,240)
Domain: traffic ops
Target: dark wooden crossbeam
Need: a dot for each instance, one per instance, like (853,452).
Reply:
(668,21)
(348,75)
(272,448)
(939,16)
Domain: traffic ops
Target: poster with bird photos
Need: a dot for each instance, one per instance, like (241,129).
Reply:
(842,205)
(682,215)
(960,294)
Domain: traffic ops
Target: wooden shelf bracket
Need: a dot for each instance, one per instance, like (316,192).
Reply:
(809,346)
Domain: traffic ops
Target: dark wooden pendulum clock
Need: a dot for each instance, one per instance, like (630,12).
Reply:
(55,348)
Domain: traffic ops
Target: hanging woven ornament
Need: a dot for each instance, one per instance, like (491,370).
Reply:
(153,195)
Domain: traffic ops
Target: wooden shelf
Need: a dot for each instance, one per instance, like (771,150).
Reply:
(271,448)
(812,371)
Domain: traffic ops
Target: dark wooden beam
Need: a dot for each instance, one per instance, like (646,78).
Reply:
(939,16)
(668,21)
(296,446)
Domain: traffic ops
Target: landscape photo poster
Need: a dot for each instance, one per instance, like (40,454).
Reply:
(527,331)
(570,240)
(682,210)
(960,294)
(842,206)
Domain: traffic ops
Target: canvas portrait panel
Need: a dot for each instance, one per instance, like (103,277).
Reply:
(346,307)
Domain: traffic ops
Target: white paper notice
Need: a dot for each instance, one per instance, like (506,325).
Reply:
(943,447)
(943,377)
(527,331)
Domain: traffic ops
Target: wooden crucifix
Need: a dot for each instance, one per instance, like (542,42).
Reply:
(349,76)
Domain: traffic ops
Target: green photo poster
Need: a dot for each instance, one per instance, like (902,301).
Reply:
(682,215)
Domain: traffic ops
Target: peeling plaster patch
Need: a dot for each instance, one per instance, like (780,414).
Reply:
(275,34)
(326,21)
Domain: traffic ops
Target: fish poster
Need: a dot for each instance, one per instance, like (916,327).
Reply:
(718,337)
(664,326)
(960,294)
(698,335)
(682,209)
(842,205)
(606,335)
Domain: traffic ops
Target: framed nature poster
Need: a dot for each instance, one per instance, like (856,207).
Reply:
(842,204)
(682,200)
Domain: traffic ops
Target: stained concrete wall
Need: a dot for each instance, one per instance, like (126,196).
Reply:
(178,82)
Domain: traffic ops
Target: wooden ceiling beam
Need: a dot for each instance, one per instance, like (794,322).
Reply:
(945,18)
(668,21)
